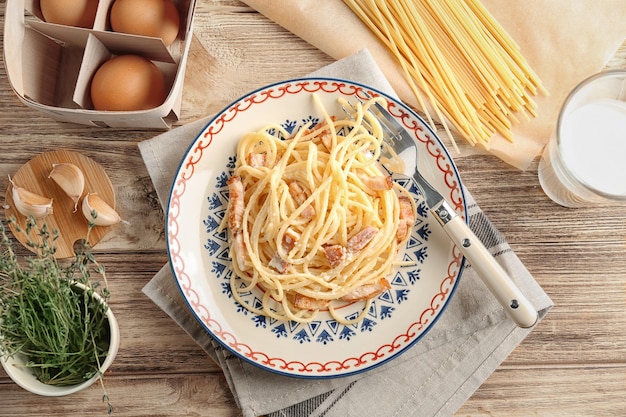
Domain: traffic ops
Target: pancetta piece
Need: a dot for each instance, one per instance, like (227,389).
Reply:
(326,140)
(361,239)
(299,196)
(307,303)
(377,183)
(279,263)
(236,207)
(290,238)
(335,254)
(256,160)
(239,247)
(367,291)
(406,218)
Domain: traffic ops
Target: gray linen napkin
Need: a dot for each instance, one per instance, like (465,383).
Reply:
(433,378)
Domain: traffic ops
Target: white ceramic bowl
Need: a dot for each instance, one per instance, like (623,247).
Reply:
(23,377)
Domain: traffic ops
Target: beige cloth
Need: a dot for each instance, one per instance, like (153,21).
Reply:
(564,41)
(432,378)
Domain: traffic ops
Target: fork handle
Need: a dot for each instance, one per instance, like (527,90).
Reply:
(497,280)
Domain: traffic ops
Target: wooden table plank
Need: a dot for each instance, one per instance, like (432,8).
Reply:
(573,363)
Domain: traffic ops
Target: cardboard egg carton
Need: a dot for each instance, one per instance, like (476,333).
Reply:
(50,66)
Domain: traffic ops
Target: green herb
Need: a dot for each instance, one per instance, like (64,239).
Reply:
(62,329)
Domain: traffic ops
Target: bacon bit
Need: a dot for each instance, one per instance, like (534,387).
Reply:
(236,206)
(325,137)
(407,218)
(358,241)
(335,254)
(279,264)
(367,291)
(256,160)
(297,192)
(299,196)
(290,238)
(377,183)
(308,213)
(307,303)
(327,140)
(235,220)
(239,247)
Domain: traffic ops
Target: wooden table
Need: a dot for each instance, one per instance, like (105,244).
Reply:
(573,363)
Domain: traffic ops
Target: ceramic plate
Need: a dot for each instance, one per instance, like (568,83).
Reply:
(199,253)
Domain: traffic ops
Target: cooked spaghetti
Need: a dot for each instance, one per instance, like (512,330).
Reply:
(313,222)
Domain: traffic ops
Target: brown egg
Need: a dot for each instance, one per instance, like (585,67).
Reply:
(156,18)
(126,83)
(79,13)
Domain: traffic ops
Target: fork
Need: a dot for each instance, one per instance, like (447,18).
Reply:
(497,280)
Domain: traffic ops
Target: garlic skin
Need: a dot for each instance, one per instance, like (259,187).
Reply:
(71,180)
(105,214)
(29,203)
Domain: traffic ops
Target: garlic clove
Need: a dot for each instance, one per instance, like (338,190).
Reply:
(29,203)
(71,180)
(105,215)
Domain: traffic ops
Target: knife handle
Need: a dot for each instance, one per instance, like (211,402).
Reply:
(517,306)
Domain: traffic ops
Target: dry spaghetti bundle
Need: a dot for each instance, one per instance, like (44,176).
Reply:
(457,56)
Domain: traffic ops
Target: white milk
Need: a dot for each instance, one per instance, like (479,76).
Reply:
(593,144)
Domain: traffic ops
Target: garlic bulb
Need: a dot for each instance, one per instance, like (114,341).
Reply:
(29,203)
(105,215)
(71,180)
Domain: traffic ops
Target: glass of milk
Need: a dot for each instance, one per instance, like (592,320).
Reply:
(584,163)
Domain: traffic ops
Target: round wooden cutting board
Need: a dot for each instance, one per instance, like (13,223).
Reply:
(71,225)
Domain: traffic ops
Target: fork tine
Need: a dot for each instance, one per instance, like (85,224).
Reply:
(388,119)
(391,131)
(353,107)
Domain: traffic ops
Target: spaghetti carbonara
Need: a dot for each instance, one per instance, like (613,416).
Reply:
(312,220)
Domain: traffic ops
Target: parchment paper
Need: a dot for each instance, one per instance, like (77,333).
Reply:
(564,41)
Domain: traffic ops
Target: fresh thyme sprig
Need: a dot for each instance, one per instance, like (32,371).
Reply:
(62,329)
